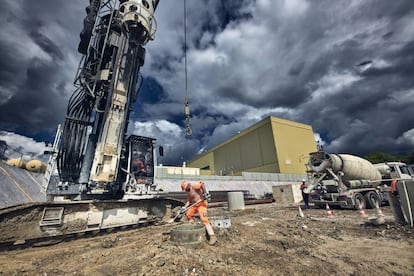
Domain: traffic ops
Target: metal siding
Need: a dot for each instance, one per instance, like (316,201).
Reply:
(264,147)
(203,161)
(250,150)
(220,161)
(294,143)
(233,157)
(267,144)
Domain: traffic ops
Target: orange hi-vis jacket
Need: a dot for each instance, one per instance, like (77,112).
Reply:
(393,186)
(195,195)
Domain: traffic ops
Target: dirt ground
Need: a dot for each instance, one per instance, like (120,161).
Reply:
(262,240)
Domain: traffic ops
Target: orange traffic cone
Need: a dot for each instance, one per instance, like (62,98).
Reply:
(378,210)
(330,215)
(361,211)
(301,212)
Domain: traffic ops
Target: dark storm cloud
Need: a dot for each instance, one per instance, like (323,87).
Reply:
(151,91)
(46,45)
(365,117)
(404,60)
(296,59)
(34,106)
(215,16)
(296,68)
(37,64)
(222,13)
(8,70)
(299,60)
(288,95)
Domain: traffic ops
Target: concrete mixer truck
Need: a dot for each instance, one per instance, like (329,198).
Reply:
(349,181)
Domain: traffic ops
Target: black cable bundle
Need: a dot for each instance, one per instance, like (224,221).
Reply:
(73,143)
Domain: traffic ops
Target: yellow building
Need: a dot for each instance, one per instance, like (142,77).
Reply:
(272,145)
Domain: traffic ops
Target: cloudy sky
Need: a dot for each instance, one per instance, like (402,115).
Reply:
(344,67)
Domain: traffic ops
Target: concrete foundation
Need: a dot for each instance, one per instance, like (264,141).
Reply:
(287,194)
(188,234)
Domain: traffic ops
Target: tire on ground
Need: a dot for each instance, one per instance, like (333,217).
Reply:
(359,199)
(371,199)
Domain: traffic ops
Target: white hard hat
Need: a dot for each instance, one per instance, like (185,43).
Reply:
(303,180)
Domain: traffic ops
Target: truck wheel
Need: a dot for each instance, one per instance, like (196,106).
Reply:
(359,200)
(320,206)
(372,198)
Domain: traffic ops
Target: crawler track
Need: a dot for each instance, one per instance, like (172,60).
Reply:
(39,224)
(67,237)
(55,239)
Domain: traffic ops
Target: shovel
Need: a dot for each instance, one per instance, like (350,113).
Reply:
(179,215)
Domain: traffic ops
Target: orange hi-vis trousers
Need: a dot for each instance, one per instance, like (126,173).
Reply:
(201,209)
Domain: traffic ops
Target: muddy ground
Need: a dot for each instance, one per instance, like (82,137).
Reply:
(263,240)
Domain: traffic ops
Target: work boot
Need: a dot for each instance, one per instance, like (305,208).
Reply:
(211,235)
(212,240)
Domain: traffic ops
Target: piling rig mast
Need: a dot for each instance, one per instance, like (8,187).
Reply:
(94,159)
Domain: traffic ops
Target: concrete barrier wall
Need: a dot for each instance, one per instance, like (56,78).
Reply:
(256,188)
(258,184)
(19,186)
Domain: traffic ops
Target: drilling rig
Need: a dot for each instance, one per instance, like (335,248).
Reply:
(94,159)
(102,178)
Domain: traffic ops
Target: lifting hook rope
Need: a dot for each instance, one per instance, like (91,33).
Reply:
(188,130)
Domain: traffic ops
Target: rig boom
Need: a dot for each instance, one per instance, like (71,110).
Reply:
(92,160)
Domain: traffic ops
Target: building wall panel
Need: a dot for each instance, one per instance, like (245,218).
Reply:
(293,143)
(272,145)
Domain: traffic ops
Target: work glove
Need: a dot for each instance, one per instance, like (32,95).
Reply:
(182,210)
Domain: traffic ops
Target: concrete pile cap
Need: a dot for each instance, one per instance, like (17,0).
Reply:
(188,234)
(220,222)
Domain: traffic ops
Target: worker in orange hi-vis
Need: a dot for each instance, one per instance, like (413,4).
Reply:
(393,188)
(395,204)
(197,193)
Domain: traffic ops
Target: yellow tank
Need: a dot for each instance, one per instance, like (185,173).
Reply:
(36,166)
(16,162)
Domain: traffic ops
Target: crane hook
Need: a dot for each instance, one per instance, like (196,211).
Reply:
(188,130)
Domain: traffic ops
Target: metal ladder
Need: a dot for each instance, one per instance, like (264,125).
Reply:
(51,165)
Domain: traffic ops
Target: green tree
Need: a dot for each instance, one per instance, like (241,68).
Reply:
(411,159)
(380,157)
